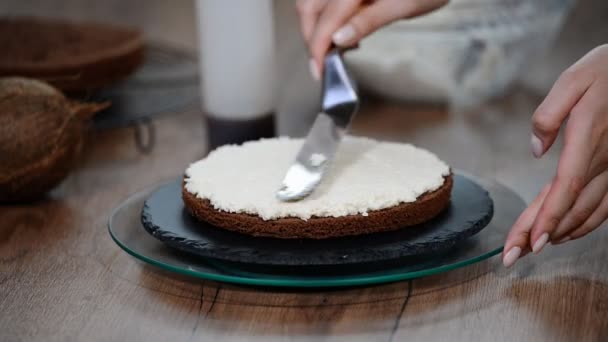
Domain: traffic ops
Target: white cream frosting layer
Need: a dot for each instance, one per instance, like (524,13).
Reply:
(365,175)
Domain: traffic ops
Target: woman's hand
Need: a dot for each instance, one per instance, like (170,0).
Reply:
(345,22)
(575,202)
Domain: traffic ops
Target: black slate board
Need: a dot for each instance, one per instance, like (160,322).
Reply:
(164,217)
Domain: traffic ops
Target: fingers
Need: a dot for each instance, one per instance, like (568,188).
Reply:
(593,108)
(551,113)
(518,239)
(585,205)
(309,11)
(345,22)
(572,174)
(371,18)
(595,220)
(576,202)
(333,16)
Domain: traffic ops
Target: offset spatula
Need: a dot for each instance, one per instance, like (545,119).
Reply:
(339,105)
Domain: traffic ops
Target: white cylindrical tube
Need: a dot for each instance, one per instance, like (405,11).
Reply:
(237,65)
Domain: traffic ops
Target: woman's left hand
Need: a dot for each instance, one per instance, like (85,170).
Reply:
(575,202)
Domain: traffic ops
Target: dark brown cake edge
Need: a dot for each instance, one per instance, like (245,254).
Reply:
(403,215)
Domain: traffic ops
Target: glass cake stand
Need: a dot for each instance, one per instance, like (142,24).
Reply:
(126,230)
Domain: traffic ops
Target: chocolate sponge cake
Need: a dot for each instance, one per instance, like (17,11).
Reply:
(370,187)
(399,216)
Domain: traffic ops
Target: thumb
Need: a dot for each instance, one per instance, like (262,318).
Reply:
(518,240)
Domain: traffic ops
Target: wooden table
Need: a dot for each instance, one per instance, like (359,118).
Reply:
(63,279)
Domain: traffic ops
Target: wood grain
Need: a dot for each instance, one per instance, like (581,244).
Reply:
(63,279)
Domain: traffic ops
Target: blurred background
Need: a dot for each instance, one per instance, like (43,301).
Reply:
(247,76)
(469,51)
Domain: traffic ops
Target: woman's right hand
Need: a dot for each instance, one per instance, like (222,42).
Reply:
(346,22)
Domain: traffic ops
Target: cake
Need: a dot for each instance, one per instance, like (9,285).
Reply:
(370,186)
(73,56)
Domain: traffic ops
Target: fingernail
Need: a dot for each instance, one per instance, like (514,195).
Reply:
(540,243)
(559,242)
(314,71)
(344,35)
(537,146)
(511,256)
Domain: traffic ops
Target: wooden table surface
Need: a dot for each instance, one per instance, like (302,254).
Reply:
(63,279)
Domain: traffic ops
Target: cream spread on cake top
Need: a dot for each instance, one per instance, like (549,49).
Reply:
(365,175)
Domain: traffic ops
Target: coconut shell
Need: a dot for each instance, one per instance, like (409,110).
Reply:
(41,136)
(72,56)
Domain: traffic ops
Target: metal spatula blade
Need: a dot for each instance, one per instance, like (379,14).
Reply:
(340,103)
